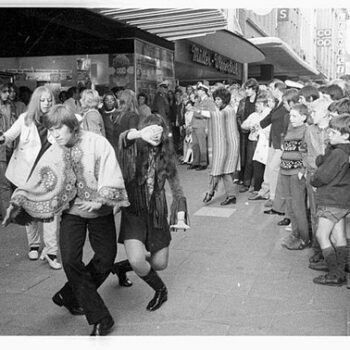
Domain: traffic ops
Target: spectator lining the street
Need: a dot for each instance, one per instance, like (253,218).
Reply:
(332,180)
(92,119)
(292,179)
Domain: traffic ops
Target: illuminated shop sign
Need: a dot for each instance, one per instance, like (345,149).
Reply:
(209,58)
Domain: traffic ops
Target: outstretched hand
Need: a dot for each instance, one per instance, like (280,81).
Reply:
(8,216)
(181,225)
(152,134)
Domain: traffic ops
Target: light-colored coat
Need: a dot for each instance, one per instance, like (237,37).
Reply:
(27,150)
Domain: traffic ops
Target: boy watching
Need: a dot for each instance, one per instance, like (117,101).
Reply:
(332,180)
(293,185)
(316,138)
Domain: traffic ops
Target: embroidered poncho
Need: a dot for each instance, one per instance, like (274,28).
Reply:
(88,171)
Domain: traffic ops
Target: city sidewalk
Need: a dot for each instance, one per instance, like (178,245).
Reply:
(227,275)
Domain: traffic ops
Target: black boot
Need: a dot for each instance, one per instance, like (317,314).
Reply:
(161,294)
(342,258)
(120,269)
(331,278)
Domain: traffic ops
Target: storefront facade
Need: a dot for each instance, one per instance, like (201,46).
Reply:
(194,62)
(77,47)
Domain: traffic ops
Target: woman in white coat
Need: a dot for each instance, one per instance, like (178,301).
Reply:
(33,143)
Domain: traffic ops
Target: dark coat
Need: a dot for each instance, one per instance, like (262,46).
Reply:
(332,177)
(279,120)
(146,219)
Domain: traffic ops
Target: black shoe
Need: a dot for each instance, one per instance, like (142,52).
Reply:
(284,222)
(272,212)
(318,256)
(319,266)
(208,197)
(329,280)
(73,309)
(201,167)
(160,297)
(190,167)
(103,327)
(244,189)
(229,200)
(120,269)
(257,198)
(123,279)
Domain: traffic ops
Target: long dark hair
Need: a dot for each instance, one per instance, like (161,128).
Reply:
(165,150)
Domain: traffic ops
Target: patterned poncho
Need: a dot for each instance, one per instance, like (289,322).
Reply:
(88,171)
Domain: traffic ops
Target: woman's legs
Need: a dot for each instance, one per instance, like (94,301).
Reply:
(136,253)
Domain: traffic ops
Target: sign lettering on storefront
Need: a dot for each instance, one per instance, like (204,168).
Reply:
(282,14)
(212,59)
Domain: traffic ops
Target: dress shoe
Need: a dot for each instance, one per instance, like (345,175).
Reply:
(284,222)
(316,257)
(33,254)
(229,200)
(160,297)
(208,197)
(201,167)
(244,189)
(330,280)
(103,327)
(257,198)
(190,167)
(319,266)
(73,309)
(298,244)
(272,212)
(124,280)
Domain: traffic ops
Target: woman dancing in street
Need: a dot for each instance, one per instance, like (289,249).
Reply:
(145,230)
(225,141)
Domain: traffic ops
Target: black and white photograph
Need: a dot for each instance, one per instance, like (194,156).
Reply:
(174,170)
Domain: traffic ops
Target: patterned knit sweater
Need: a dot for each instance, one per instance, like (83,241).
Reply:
(291,159)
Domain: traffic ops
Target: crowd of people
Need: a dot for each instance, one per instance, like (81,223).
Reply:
(74,166)
(74,162)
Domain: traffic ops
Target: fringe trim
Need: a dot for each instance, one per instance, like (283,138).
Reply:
(127,156)
(113,197)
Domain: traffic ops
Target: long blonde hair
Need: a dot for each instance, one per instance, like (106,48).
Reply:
(34,111)
(130,99)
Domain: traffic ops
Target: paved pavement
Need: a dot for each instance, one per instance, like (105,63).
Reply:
(228,275)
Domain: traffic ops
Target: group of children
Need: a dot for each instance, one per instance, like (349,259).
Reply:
(314,176)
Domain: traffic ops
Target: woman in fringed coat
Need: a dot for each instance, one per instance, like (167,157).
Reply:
(225,143)
(145,230)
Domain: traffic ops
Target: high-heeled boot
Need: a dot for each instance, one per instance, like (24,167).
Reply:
(161,294)
(120,269)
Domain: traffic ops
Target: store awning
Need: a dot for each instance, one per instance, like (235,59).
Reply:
(172,23)
(284,59)
(231,45)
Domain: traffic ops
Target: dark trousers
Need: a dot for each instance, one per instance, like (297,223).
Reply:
(200,147)
(243,144)
(248,168)
(294,192)
(83,281)
(177,139)
(259,169)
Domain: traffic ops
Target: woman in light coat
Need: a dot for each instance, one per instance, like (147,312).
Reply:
(34,141)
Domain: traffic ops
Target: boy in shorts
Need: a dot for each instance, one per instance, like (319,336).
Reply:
(332,180)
